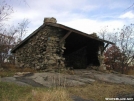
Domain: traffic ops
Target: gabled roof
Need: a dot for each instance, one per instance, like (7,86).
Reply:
(58,26)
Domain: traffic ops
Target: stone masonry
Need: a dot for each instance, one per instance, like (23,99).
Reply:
(42,51)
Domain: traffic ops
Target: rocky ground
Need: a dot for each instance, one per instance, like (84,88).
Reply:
(79,78)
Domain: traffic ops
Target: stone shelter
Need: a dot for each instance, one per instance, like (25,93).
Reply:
(54,45)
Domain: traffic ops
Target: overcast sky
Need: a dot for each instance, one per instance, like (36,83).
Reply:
(85,15)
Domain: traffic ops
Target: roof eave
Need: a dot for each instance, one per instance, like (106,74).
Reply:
(59,26)
(22,42)
(78,32)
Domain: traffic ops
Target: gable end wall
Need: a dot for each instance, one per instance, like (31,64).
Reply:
(42,51)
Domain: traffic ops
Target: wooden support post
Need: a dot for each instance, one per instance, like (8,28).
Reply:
(65,37)
(105,47)
(101,58)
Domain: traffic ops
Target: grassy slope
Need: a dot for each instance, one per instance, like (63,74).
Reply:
(13,92)
(97,91)
(100,90)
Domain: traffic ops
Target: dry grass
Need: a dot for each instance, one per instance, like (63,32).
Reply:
(10,70)
(58,94)
(97,91)
(101,90)
(6,73)
(130,72)
(12,92)
(54,95)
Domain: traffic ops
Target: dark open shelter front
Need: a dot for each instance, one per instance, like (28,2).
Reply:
(54,45)
(81,51)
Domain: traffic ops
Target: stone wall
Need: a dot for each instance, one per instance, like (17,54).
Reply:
(101,58)
(43,50)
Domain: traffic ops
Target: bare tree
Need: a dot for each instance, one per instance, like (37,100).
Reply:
(10,36)
(5,46)
(16,34)
(5,12)
(124,39)
(21,30)
(105,35)
(103,32)
(126,43)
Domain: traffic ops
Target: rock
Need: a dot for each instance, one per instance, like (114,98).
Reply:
(102,67)
(37,67)
(79,78)
(86,80)
(51,20)
(21,64)
(13,80)
(19,74)
(1,69)
(42,50)
(51,62)
(29,82)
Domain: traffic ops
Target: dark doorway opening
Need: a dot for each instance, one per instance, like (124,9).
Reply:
(81,51)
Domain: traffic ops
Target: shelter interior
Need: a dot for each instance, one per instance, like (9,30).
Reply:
(81,51)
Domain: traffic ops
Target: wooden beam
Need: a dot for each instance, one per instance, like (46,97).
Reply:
(78,32)
(77,50)
(105,47)
(65,37)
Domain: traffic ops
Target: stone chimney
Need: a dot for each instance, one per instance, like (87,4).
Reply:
(50,20)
